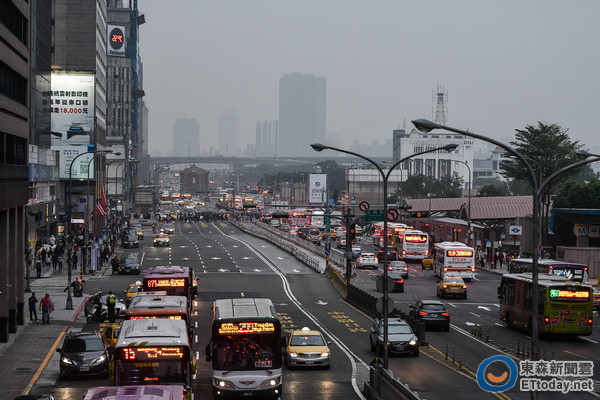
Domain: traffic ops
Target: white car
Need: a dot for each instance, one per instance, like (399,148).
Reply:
(367,260)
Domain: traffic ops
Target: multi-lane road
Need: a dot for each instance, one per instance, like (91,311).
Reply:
(231,263)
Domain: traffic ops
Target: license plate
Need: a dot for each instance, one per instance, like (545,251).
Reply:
(84,368)
(310,362)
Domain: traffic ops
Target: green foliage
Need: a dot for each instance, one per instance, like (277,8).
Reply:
(418,187)
(578,195)
(493,191)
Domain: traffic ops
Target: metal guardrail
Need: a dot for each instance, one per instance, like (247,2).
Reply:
(383,386)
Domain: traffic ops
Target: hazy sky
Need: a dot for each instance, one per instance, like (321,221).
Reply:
(504,64)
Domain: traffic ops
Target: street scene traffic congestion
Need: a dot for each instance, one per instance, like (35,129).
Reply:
(243,302)
(282,200)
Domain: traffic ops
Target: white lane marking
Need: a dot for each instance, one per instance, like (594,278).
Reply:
(498,323)
(589,340)
(576,355)
(478,316)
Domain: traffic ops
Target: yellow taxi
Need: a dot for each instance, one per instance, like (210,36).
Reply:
(111,334)
(452,286)
(427,263)
(307,348)
(132,290)
(161,239)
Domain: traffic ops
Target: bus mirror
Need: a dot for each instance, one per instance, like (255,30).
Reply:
(207,351)
(499,290)
(208,358)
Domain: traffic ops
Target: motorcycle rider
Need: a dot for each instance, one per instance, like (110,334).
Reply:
(98,304)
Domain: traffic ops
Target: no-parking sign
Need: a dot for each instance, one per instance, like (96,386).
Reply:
(393,214)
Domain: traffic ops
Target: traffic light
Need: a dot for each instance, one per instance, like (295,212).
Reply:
(352,234)
(419,214)
(405,207)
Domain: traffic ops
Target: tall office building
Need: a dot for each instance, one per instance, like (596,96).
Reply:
(229,134)
(186,137)
(14,134)
(302,113)
(267,138)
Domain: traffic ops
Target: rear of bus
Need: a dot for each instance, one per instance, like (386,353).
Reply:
(155,392)
(568,309)
(454,259)
(158,306)
(415,245)
(153,352)
(175,280)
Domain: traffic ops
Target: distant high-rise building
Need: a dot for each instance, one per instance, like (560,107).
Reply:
(267,138)
(229,133)
(186,137)
(302,113)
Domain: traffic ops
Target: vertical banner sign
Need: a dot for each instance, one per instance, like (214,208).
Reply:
(72,121)
(317,183)
(116,41)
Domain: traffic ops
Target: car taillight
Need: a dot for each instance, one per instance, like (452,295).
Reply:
(422,313)
(464,286)
(400,281)
(547,321)
(403,252)
(473,269)
(445,269)
(446,314)
(445,286)
(590,322)
(389,268)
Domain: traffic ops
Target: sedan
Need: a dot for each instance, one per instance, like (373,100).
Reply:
(400,267)
(83,353)
(401,338)
(129,265)
(433,312)
(307,348)
(367,260)
(161,239)
(341,243)
(131,241)
(167,228)
(452,286)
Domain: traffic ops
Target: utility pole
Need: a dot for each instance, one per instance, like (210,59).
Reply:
(348,248)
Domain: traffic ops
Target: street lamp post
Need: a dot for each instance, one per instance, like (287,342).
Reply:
(469,205)
(427,126)
(69,304)
(321,147)
(158,170)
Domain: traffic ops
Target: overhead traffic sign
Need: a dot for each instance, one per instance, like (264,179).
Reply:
(373,215)
(363,206)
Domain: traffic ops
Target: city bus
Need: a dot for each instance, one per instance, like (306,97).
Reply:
(154,392)
(572,271)
(298,218)
(145,306)
(565,307)
(454,259)
(394,228)
(411,244)
(245,348)
(153,352)
(175,280)
(317,219)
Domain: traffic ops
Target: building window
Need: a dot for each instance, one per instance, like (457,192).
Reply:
(11,17)
(12,84)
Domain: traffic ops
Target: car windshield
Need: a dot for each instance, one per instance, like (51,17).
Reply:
(434,307)
(133,289)
(80,345)
(457,280)
(130,261)
(307,340)
(397,329)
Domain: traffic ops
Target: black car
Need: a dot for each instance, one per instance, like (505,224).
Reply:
(83,353)
(391,255)
(303,232)
(130,241)
(401,338)
(433,312)
(129,265)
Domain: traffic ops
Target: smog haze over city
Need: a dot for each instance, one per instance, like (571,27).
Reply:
(504,64)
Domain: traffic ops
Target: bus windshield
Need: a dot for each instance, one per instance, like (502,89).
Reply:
(234,353)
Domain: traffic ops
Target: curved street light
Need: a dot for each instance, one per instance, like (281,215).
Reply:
(427,126)
(321,147)
(469,233)
(69,304)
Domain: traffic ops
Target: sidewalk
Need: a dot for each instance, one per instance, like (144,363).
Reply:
(28,351)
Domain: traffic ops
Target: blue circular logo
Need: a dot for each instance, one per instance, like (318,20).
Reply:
(497,382)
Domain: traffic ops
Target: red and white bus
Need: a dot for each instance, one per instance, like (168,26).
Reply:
(411,244)
(454,259)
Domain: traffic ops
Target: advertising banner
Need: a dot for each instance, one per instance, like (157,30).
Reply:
(72,120)
(115,36)
(317,183)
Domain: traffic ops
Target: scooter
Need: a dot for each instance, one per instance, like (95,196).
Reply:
(91,317)
(78,289)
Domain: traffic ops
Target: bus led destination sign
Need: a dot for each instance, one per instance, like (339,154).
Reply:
(460,253)
(233,328)
(556,294)
(150,353)
(158,283)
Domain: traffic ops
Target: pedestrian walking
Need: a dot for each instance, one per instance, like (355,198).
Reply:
(38,268)
(45,307)
(32,308)
(60,262)
(111,300)
(495,259)
(501,259)
(54,260)
(74,260)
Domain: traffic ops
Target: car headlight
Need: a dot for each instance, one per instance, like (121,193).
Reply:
(293,354)
(412,342)
(325,354)
(99,360)
(67,361)
(222,384)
